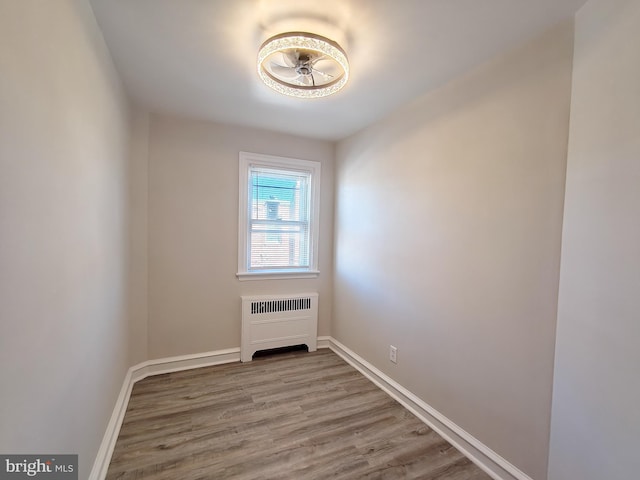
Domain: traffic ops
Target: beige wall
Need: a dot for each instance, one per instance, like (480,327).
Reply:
(447,245)
(194,295)
(138,213)
(596,414)
(63,230)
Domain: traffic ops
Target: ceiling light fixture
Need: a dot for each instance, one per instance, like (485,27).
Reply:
(303,65)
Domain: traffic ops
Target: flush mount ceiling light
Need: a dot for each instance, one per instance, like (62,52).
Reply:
(303,65)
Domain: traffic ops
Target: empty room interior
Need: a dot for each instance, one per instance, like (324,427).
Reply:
(440,200)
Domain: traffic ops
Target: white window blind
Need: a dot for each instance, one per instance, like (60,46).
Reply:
(278,215)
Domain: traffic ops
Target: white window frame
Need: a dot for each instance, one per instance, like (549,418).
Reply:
(248,160)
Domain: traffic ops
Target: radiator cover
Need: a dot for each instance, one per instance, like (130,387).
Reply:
(273,321)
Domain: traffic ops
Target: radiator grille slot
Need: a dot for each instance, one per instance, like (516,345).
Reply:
(285,305)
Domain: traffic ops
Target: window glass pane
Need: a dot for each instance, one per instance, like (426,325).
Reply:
(283,249)
(277,194)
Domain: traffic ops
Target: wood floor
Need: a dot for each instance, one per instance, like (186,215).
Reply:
(289,416)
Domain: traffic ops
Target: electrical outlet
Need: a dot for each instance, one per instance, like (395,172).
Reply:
(393,354)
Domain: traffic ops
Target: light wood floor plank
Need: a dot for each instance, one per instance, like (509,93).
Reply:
(291,416)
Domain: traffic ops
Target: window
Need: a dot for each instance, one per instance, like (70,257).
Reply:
(278,217)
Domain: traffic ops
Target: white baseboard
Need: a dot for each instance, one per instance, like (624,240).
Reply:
(101,463)
(324,342)
(137,373)
(488,460)
(184,362)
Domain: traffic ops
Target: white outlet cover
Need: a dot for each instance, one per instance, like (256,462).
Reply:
(393,354)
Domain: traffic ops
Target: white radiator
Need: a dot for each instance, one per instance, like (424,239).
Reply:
(273,321)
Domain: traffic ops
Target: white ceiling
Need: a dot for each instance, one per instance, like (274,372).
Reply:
(197,58)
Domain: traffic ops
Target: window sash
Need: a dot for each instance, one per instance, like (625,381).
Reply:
(285,245)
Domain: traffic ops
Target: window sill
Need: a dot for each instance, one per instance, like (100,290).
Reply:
(244,276)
